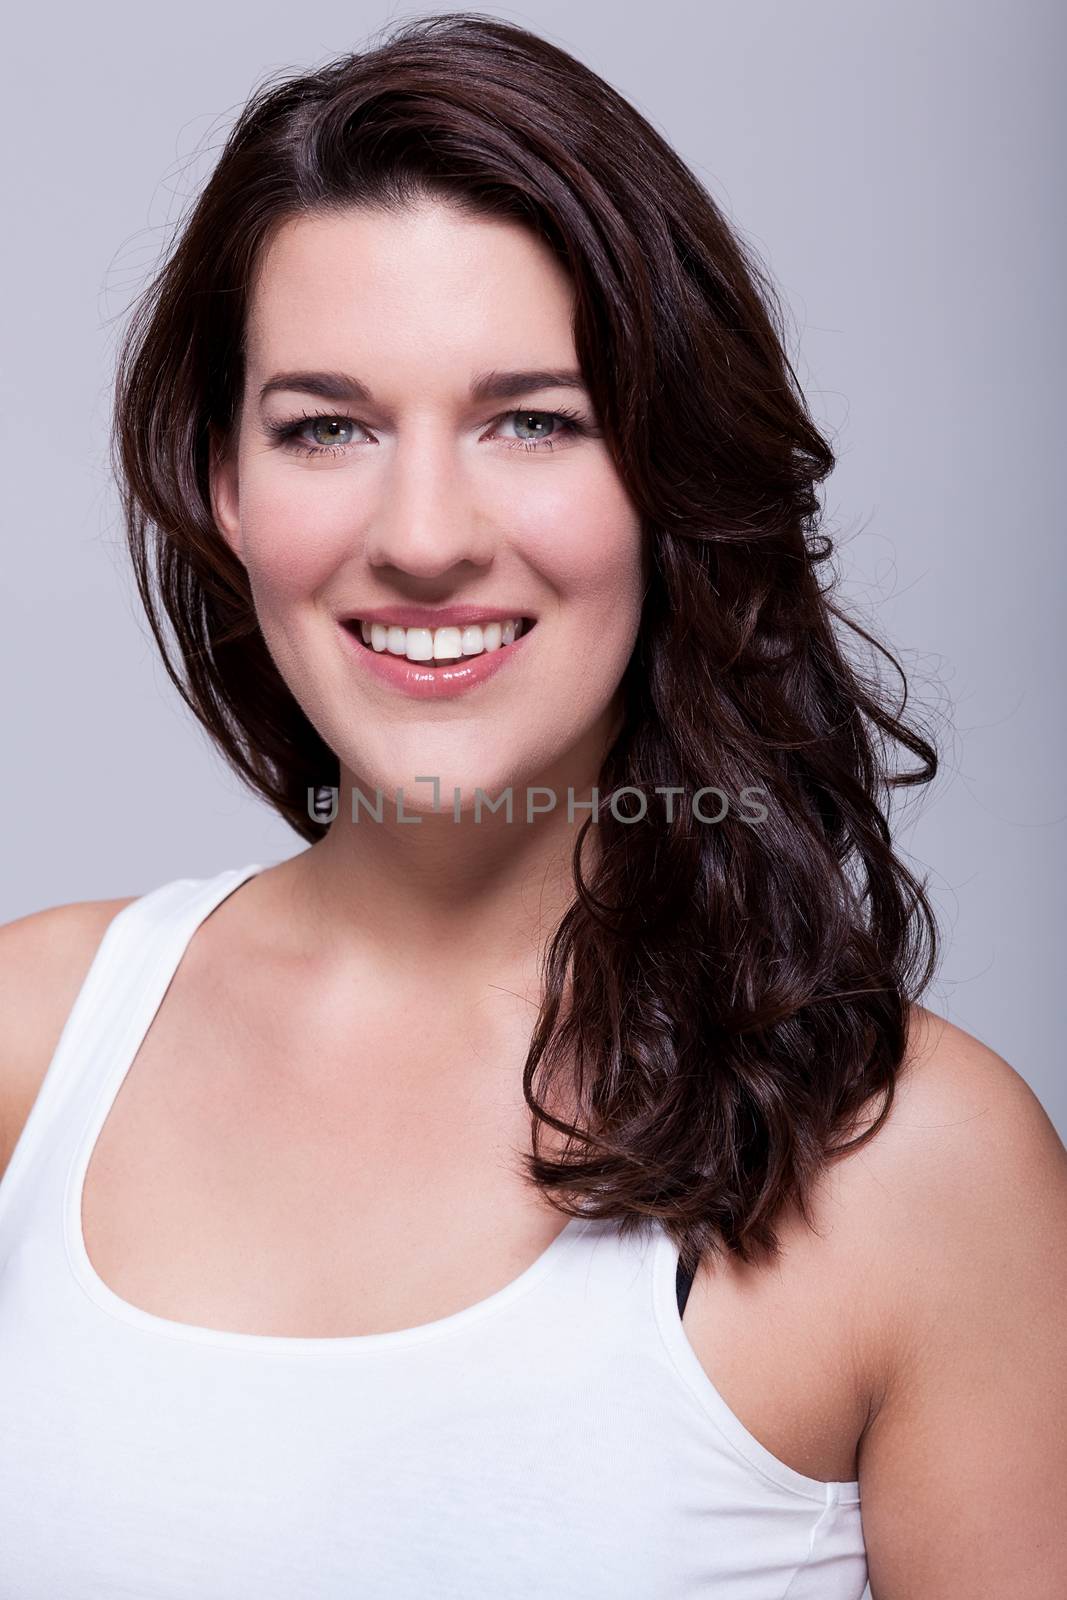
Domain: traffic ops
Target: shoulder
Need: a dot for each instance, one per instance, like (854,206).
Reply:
(44,958)
(948,1069)
(962,1190)
(965,1130)
(961,1202)
(961,1115)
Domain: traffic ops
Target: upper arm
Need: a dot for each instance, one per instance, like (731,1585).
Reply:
(963,1466)
(44,958)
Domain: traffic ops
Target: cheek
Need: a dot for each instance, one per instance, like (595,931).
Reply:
(292,541)
(587,546)
(585,538)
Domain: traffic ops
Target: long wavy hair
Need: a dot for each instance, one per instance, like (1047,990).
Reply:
(737,995)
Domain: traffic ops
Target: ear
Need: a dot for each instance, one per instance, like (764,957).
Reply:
(222,477)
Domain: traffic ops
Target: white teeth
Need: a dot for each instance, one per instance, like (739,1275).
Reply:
(439,644)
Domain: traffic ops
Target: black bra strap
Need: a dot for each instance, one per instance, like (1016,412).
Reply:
(683,1284)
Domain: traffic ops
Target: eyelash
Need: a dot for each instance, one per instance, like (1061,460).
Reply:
(285,434)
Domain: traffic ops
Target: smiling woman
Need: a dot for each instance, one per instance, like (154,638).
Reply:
(461,459)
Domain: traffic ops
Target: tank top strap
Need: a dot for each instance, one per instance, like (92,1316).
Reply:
(612,1288)
(127,978)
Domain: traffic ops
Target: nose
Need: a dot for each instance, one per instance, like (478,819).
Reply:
(428,522)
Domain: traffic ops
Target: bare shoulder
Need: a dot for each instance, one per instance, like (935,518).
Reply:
(966,1169)
(961,1201)
(958,1107)
(44,958)
(962,1120)
(948,1069)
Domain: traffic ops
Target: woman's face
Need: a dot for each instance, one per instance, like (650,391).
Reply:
(412,493)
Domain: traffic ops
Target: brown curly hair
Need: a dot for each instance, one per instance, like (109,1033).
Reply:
(740,992)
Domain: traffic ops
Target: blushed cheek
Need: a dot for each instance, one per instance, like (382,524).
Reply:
(291,550)
(590,549)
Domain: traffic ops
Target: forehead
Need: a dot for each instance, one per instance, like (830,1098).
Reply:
(425,285)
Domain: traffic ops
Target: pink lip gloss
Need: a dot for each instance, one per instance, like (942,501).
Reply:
(424,682)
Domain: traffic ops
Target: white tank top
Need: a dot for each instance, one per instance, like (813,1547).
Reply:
(558,1438)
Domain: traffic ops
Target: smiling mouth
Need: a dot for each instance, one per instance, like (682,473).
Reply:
(438,647)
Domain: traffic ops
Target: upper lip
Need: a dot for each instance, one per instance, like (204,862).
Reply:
(436,617)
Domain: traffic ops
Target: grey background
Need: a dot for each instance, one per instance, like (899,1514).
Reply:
(896,166)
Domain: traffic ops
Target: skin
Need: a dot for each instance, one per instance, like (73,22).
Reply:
(432,503)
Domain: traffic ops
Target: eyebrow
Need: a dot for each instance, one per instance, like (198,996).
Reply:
(486,386)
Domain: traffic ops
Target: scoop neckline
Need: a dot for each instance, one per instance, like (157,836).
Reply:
(155,984)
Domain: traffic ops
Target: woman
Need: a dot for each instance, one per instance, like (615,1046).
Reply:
(571,1199)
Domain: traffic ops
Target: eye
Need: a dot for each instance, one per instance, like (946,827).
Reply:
(325,429)
(537,420)
(288,434)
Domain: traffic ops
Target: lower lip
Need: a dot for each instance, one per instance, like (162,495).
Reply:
(433,683)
